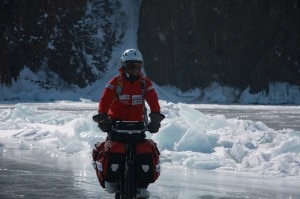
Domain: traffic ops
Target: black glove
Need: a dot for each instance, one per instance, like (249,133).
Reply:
(154,125)
(103,121)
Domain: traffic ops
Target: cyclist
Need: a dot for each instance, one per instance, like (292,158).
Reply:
(124,99)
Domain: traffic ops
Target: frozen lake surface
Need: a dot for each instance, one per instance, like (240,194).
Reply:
(277,117)
(32,174)
(40,158)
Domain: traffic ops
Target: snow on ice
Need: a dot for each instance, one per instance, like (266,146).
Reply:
(188,138)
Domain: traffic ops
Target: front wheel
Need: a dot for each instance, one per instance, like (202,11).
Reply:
(130,181)
(117,195)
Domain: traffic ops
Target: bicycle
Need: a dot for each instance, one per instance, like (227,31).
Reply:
(137,159)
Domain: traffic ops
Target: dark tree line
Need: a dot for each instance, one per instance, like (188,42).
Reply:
(185,43)
(193,43)
(57,37)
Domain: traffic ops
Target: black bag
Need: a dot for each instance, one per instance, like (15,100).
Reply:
(128,132)
(124,126)
(147,156)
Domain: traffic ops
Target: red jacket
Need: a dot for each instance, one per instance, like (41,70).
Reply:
(129,105)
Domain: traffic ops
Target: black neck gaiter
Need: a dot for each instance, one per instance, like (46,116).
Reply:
(131,77)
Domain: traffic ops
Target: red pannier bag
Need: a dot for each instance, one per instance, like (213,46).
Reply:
(109,157)
(148,167)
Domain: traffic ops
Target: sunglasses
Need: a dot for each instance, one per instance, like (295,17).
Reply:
(136,65)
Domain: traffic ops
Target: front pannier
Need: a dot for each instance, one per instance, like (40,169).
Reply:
(110,157)
(148,166)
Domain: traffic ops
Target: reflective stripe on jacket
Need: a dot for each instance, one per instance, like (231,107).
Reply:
(129,105)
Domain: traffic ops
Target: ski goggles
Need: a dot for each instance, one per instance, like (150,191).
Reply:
(133,65)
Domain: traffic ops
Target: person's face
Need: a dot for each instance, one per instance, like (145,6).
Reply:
(133,67)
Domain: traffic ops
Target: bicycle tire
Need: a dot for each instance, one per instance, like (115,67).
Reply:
(117,195)
(130,186)
(127,188)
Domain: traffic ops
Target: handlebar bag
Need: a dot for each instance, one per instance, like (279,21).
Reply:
(129,126)
(128,131)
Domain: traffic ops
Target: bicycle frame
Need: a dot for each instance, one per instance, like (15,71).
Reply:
(127,186)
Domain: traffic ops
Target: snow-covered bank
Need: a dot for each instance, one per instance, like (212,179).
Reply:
(28,88)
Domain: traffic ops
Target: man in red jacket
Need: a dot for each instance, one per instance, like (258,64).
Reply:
(124,100)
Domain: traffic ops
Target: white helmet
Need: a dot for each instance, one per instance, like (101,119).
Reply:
(131,55)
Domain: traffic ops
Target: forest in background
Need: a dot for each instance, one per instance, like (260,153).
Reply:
(185,43)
